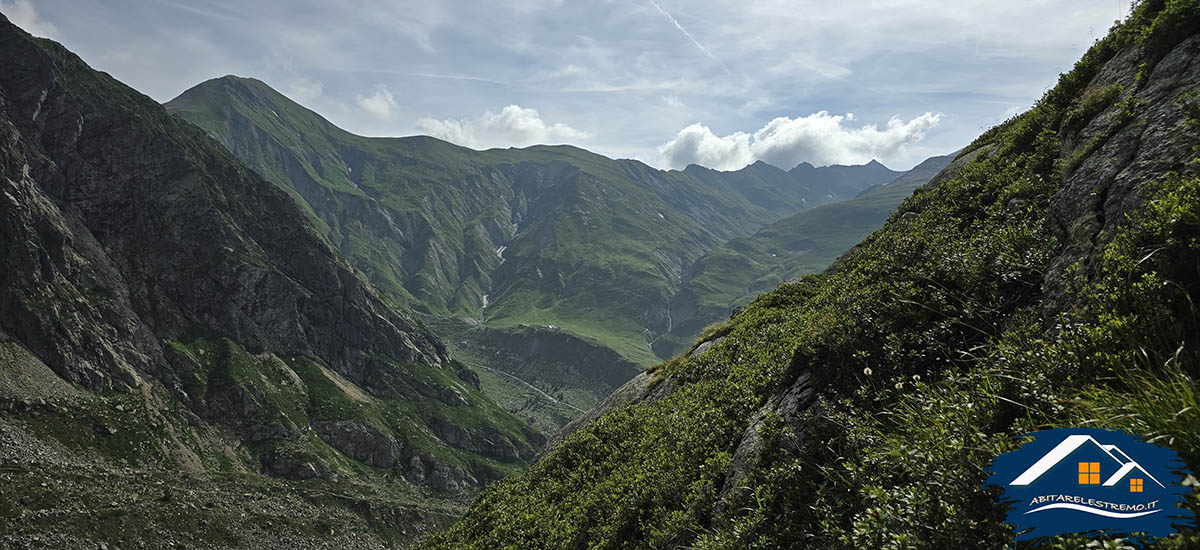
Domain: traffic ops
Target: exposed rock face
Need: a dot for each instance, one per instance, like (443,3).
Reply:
(140,257)
(123,225)
(705,346)
(794,399)
(469,376)
(281,465)
(1135,147)
(453,397)
(437,475)
(359,441)
(486,442)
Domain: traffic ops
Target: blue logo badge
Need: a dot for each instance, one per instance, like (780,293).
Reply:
(1086,480)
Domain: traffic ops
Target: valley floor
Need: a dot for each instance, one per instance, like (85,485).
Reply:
(54,497)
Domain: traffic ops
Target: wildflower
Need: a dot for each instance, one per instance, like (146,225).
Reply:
(867,371)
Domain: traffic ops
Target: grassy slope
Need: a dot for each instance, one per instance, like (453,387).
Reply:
(608,238)
(930,351)
(734,273)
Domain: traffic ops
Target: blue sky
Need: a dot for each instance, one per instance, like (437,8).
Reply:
(669,82)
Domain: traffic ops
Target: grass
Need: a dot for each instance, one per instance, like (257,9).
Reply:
(808,242)
(931,350)
(594,245)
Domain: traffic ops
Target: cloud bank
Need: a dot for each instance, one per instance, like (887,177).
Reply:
(819,138)
(513,126)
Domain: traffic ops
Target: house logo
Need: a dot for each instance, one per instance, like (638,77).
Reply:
(1091,481)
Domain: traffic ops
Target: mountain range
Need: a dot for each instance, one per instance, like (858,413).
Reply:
(1044,279)
(225,322)
(169,315)
(564,268)
(282,309)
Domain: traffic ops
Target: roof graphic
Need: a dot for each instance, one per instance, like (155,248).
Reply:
(1072,443)
(1125,470)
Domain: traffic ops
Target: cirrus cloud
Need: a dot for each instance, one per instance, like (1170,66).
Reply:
(819,138)
(513,126)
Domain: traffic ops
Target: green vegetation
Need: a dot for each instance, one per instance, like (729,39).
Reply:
(968,319)
(187,337)
(553,236)
(734,273)
(286,395)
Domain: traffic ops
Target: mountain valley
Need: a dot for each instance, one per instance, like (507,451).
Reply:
(226,322)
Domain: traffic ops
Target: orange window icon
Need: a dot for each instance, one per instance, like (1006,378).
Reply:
(1089,473)
(1135,485)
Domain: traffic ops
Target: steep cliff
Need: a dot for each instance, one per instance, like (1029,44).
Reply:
(164,309)
(1045,278)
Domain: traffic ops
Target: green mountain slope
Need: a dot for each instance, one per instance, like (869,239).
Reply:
(733,273)
(171,322)
(1047,280)
(551,237)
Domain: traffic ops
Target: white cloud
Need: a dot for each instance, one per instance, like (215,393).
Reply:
(513,126)
(696,144)
(23,14)
(381,105)
(303,90)
(819,138)
(608,64)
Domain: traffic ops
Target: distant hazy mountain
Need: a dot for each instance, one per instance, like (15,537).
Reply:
(557,238)
(733,273)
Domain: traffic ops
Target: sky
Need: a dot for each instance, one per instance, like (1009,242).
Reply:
(667,82)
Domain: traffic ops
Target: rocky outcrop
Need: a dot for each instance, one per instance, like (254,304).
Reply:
(646,387)
(436,475)
(453,397)
(1141,136)
(469,376)
(788,404)
(487,441)
(359,441)
(279,464)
